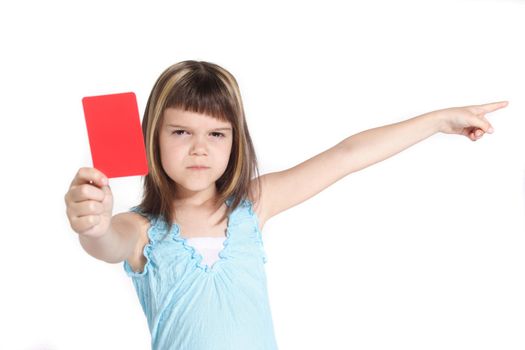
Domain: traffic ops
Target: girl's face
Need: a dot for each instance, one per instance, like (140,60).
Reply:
(189,139)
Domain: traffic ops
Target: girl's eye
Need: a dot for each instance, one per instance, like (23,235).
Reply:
(180,132)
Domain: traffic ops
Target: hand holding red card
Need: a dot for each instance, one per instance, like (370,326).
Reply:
(115,135)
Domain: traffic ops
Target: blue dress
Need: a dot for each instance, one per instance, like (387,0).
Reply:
(193,307)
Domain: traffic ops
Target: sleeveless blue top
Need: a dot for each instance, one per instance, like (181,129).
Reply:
(193,307)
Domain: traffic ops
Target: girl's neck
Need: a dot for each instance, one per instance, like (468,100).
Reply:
(202,199)
(198,208)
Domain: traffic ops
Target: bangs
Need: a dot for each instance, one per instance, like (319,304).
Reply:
(204,93)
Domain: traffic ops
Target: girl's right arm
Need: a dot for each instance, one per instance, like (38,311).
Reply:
(89,203)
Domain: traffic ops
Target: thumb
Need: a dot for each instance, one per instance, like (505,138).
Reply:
(478,126)
(107,202)
(107,190)
(483,124)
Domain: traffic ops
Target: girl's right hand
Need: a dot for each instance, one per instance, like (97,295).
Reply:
(89,203)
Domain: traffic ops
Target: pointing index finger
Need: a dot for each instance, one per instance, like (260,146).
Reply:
(491,107)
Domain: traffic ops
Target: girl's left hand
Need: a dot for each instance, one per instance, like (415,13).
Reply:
(469,121)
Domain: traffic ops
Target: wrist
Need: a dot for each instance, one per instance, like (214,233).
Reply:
(436,119)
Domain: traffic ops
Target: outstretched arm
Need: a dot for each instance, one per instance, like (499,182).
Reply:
(285,189)
(374,145)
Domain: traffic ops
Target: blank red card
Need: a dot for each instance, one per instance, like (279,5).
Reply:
(115,135)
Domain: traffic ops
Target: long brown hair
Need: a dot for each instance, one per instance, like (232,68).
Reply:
(200,87)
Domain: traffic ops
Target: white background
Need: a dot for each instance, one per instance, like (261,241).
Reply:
(422,251)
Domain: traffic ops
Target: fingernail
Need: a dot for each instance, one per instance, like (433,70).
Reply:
(491,130)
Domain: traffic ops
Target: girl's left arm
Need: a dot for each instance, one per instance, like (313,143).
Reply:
(285,189)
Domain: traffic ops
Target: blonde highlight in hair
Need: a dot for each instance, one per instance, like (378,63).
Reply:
(200,87)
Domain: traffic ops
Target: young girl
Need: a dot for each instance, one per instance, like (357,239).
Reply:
(193,246)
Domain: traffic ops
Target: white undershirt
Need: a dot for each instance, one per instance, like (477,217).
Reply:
(208,247)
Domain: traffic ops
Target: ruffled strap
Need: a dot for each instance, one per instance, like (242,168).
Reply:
(156,232)
(258,233)
(245,213)
(158,226)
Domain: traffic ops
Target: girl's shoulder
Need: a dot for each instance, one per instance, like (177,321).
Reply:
(132,220)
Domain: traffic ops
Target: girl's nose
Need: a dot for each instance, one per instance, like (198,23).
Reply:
(199,147)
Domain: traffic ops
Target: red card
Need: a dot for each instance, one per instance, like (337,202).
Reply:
(115,135)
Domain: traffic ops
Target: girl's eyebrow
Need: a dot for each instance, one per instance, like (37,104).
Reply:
(185,127)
